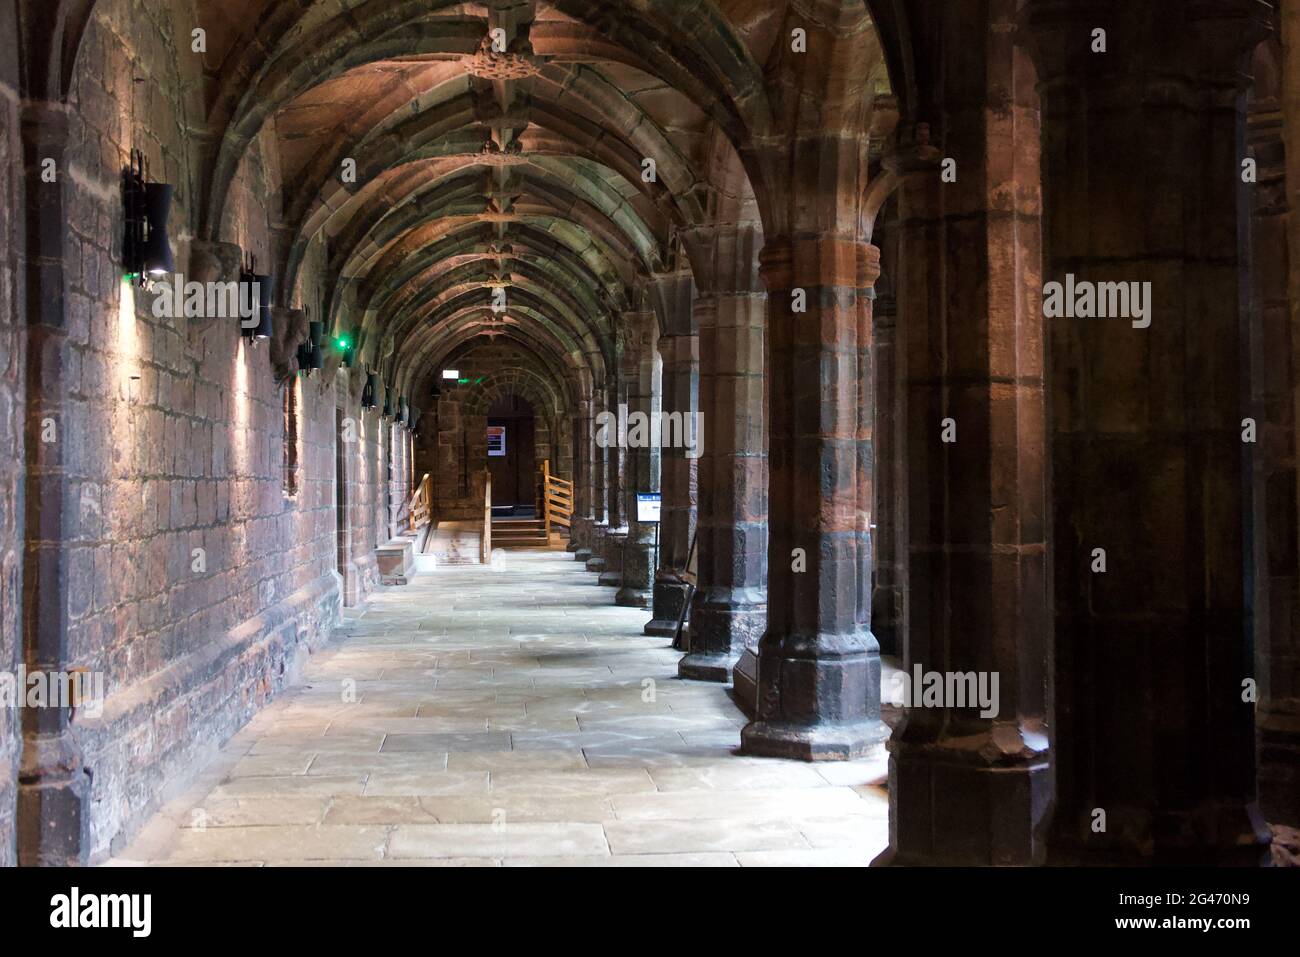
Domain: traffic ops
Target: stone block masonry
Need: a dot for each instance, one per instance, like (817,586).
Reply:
(12,413)
(196,582)
(848,240)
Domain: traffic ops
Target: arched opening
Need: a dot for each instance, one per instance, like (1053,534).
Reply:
(514,453)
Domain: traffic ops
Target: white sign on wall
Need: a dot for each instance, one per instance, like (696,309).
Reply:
(647,507)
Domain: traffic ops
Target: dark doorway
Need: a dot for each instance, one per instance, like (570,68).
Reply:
(510,430)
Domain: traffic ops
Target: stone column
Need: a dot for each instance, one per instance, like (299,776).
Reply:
(816,673)
(53,788)
(730,605)
(13,399)
(1277,246)
(1152,642)
(596,516)
(578,529)
(611,486)
(864,470)
(643,462)
(969,773)
(887,584)
(680,347)
(610,549)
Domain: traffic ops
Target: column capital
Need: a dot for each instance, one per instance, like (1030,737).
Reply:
(672,295)
(215,261)
(44,123)
(724,257)
(637,325)
(1204,39)
(912,152)
(819,261)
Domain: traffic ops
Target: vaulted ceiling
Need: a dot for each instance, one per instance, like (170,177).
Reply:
(434,153)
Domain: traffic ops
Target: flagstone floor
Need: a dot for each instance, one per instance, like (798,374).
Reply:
(509,716)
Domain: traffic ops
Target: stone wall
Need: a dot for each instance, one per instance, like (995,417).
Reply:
(398,471)
(197,583)
(12,411)
(360,466)
(453,443)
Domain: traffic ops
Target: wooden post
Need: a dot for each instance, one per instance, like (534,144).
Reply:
(487,517)
(546,496)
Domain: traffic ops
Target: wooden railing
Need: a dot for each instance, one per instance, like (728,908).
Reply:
(486,556)
(557,499)
(419,509)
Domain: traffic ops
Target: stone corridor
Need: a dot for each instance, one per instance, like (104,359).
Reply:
(510,715)
(960,337)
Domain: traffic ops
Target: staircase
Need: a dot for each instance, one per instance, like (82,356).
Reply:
(519,533)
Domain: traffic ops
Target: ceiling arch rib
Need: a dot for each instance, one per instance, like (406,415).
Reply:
(522,245)
(709,63)
(597,208)
(563,237)
(461,127)
(560,261)
(423,363)
(477,170)
(461,203)
(420,298)
(529,313)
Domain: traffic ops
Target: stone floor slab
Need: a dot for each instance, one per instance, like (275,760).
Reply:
(502,718)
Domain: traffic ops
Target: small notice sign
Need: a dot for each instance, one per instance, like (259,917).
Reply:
(647,507)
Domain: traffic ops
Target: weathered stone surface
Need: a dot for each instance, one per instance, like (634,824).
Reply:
(1124,416)
(638,785)
(560,207)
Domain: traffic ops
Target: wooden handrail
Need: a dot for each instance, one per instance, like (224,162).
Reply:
(420,508)
(557,500)
(487,517)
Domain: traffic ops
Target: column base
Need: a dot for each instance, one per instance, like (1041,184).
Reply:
(825,741)
(1210,835)
(706,667)
(53,803)
(582,554)
(723,624)
(638,574)
(1278,735)
(669,596)
(744,682)
(949,805)
(823,707)
(631,597)
(577,535)
(594,549)
(612,575)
